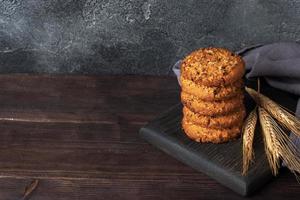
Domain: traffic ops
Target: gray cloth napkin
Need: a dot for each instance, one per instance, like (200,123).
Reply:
(279,63)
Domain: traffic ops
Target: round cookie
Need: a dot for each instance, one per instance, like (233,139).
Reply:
(212,67)
(211,93)
(223,121)
(212,108)
(202,134)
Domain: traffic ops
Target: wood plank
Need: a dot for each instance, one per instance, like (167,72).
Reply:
(78,152)
(79,127)
(182,188)
(84,94)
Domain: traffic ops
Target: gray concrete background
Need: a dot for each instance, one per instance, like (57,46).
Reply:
(133,36)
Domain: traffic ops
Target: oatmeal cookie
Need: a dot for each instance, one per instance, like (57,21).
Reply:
(212,108)
(211,93)
(223,121)
(203,134)
(212,67)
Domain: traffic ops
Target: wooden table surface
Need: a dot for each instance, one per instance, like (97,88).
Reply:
(78,136)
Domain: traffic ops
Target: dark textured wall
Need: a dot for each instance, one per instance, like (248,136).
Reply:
(133,36)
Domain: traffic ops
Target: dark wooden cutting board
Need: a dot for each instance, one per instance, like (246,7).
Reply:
(221,162)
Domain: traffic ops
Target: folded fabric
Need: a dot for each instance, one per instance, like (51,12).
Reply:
(278,63)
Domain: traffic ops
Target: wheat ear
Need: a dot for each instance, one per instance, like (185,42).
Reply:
(277,144)
(269,132)
(248,136)
(285,118)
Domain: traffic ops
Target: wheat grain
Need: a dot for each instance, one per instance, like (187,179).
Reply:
(248,136)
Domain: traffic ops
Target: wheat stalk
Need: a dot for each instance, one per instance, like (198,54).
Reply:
(285,118)
(277,144)
(248,136)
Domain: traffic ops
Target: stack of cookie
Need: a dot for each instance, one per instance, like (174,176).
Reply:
(212,95)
